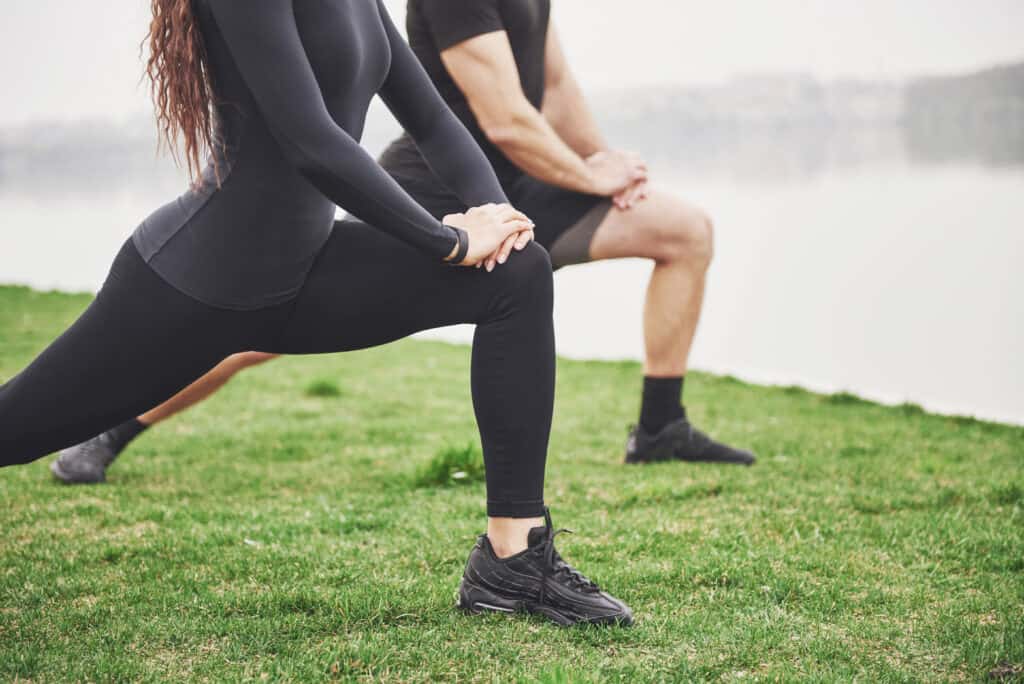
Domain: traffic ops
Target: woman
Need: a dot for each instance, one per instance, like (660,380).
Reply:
(250,259)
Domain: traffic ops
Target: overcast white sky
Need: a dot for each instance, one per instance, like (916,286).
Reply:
(66,59)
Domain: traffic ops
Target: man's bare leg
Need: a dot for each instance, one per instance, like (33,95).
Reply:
(87,462)
(204,387)
(678,237)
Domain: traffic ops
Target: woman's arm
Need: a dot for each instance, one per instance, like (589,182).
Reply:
(264,42)
(444,142)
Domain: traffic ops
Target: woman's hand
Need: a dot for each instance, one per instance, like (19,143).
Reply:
(516,241)
(494,231)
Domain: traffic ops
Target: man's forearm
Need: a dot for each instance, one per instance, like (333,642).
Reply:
(566,110)
(531,143)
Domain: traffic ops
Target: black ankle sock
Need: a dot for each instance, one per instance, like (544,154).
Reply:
(662,403)
(124,433)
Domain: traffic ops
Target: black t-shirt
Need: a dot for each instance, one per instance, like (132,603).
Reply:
(436,25)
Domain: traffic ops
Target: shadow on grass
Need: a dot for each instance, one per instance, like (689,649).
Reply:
(323,388)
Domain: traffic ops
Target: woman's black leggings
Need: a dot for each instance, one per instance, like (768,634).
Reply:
(141,341)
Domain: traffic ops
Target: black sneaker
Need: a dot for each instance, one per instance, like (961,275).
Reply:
(680,441)
(86,463)
(536,580)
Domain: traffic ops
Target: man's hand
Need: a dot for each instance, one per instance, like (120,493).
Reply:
(629,197)
(613,173)
(637,192)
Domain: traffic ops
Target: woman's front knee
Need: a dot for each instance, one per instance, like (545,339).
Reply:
(531,265)
(527,274)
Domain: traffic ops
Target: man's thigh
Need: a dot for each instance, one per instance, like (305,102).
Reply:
(659,227)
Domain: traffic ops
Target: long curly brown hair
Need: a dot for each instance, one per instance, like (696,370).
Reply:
(180,82)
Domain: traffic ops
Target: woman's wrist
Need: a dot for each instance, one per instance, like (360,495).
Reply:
(455,250)
(461,248)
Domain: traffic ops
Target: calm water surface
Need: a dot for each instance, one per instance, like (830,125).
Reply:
(839,267)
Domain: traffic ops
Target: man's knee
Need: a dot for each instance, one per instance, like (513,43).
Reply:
(691,236)
(239,362)
(706,241)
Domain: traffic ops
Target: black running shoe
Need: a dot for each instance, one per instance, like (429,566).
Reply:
(536,580)
(86,463)
(680,441)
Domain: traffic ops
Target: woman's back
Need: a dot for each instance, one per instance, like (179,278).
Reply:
(249,242)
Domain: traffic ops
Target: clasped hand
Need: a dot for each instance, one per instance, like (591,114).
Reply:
(494,230)
(619,175)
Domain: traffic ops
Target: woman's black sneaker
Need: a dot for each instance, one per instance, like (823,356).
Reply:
(680,441)
(536,580)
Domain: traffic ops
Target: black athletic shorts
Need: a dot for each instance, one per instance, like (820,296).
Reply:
(566,220)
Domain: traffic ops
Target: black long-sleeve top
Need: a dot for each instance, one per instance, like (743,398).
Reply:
(292,81)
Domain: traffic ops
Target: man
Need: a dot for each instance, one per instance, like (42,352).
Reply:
(500,66)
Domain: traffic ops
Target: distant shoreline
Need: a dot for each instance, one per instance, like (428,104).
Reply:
(9,294)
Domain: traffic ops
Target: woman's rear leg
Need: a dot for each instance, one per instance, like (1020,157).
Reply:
(137,344)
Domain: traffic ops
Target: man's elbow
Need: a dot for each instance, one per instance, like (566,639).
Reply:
(505,128)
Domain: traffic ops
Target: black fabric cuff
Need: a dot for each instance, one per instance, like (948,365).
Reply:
(463,240)
(508,509)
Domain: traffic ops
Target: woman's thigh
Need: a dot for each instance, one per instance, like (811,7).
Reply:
(367,288)
(137,344)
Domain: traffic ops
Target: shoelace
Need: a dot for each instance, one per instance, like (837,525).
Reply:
(554,565)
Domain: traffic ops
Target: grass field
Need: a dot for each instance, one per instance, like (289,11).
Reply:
(303,525)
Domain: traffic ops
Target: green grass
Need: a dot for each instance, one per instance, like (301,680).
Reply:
(453,466)
(323,388)
(285,533)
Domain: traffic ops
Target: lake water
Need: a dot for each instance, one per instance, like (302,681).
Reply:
(842,263)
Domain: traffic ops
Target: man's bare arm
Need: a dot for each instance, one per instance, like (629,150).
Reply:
(484,68)
(567,111)
(564,106)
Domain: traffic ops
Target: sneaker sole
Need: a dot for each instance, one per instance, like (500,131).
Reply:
(632,459)
(474,600)
(65,476)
